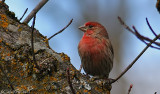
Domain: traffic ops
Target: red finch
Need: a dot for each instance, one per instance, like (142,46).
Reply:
(95,50)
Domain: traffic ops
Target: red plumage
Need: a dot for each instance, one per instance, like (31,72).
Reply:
(95,50)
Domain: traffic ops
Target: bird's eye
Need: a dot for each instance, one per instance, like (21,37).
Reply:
(90,26)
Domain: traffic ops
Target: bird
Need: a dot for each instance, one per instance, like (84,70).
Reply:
(95,50)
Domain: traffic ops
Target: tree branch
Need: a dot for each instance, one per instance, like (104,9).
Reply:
(150,27)
(133,62)
(61,29)
(32,43)
(144,39)
(34,11)
(23,14)
(139,36)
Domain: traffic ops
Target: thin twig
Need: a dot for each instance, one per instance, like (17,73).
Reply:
(145,38)
(127,27)
(23,14)
(7,77)
(61,29)
(130,65)
(32,43)
(150,27)
(69,81)
(142,38)
(151,45)
(34,11)
(130,88)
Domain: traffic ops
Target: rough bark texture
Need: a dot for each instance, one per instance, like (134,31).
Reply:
(17,63)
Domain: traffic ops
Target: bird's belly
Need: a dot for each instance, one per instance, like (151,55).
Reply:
(94,57)
(94,61)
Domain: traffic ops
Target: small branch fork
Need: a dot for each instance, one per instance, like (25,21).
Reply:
(61,30)
(143,39)
(69,81)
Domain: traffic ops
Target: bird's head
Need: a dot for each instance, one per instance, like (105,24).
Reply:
(94,28)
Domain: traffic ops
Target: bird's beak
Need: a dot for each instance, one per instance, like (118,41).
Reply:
(83,28)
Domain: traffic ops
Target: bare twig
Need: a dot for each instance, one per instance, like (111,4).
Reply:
(23,14)
(6,77)
(61,29)
(32,39)
(69,82)
(133,62)
(139,36)
(32,43)
(34,11)
(142,38)
(150,27)
(130,88)
(125,26)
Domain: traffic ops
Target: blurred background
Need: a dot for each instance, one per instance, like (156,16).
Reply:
(56,14)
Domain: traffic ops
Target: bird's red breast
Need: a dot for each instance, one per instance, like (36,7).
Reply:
(95,50)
